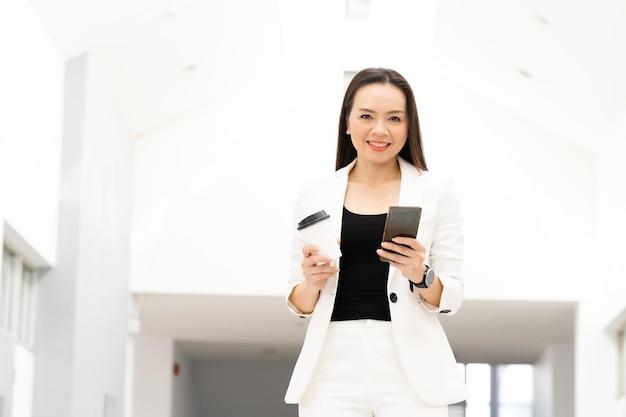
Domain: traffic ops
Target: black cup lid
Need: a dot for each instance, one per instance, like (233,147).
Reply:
(312,219)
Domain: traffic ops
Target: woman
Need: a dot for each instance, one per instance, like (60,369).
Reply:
(374,346)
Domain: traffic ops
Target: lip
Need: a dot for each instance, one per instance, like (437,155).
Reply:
(378,148)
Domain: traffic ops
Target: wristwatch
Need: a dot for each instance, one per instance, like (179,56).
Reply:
(427,281)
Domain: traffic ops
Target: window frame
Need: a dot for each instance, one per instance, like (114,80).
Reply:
(19,284)
(495,373)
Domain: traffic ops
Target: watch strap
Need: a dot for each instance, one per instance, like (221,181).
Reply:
(422,284)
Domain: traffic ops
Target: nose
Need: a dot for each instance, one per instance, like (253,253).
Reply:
(379,127)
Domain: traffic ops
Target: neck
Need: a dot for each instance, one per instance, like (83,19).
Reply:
(373,174)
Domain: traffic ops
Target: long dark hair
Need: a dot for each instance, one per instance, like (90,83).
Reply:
(413,150)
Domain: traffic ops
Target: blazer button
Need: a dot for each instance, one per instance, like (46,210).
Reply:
(393,297)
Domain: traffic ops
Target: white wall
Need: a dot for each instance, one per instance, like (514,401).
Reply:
(83,315)
(23,382)
(184,387)
(523,217)
(31,82)
(222,181)
(603,302)
(190,189)
(554,382)
(153,384)
(7,359)
(214,192)
(31,86)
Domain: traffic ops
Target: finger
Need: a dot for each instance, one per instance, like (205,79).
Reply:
(322,271)
(318,274)
(308,250)
(318,260)
(408,241)
(398,248)
(392,257)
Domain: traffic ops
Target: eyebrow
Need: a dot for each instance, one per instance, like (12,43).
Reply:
(372,111)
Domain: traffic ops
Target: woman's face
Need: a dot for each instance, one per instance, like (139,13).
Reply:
(378,124)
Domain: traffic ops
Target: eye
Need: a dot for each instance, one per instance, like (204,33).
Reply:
(366,116)
(394,119)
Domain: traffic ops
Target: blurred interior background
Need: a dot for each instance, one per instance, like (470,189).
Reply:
(151,152)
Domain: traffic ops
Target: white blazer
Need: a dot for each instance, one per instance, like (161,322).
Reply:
(421,342)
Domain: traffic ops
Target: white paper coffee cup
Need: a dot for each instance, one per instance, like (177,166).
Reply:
(317,230)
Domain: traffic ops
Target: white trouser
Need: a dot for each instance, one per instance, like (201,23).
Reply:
(359,375)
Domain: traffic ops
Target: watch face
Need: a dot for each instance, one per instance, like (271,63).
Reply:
(429,278)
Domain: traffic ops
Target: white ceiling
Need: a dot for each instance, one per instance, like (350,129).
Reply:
(261,328)
(555,64)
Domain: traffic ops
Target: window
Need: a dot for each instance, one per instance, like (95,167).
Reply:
(478,379)
(621,349)
(515,390)
(18,294)
(5,291)
(496,391)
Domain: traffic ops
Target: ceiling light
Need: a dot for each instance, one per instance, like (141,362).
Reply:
(190,68)
(541,19)
(525,73)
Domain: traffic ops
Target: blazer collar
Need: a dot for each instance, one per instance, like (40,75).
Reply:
(407,169)
(412,186)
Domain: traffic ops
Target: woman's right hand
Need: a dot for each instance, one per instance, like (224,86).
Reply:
(316,268)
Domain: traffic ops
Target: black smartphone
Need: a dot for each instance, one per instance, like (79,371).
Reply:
(401,221)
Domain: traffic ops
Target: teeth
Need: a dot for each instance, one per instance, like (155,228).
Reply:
(378,144)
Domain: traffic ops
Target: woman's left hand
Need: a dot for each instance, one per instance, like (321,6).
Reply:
(409,258)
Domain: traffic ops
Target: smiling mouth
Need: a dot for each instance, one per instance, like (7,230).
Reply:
(378,145)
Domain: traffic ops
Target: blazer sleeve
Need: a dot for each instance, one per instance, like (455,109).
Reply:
(309,201)
(446,251)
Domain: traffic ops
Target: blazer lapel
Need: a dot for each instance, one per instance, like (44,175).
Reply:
(412,190)
(412,185)
(337,196)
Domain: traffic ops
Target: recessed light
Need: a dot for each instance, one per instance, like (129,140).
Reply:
(270,352)
(525,73)
(541,19)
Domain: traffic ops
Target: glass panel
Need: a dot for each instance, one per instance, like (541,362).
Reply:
(5,289)
(456,410)
(478,377)
(26,307)
(515,411)
(478,410)
(515,384)
(17,289)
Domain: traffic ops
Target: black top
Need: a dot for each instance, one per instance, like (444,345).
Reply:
(362,286)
